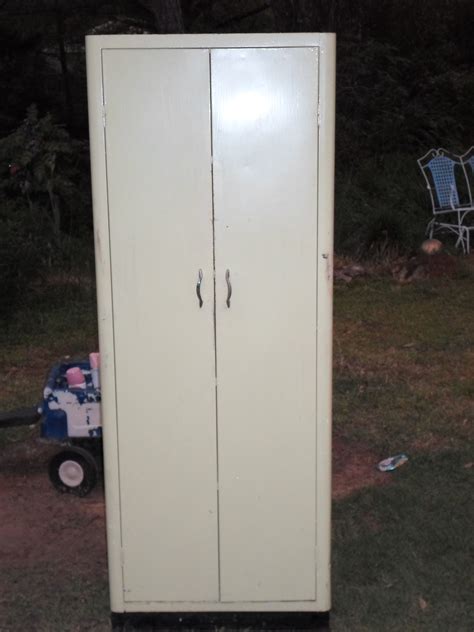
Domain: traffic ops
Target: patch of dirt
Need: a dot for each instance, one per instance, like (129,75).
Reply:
(42,531)
(424,266)
(442,265)
(39,524)
(354,468)
(407,268)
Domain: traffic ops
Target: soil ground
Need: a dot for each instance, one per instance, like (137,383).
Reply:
(44,529)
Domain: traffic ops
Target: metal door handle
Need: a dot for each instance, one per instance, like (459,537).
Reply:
(229,287)
(198,287)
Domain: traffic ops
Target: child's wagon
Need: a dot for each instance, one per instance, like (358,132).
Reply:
(71,416)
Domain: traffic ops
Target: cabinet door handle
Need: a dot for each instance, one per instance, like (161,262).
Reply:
(229,287)
(198,287)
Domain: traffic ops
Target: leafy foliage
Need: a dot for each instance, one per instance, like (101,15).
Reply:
(20,248)
(392,105)
(44,198)
(380,207)
(404,84)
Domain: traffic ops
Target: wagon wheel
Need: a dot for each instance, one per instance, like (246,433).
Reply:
(73,471)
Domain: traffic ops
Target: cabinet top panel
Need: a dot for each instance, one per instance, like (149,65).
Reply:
(227,40)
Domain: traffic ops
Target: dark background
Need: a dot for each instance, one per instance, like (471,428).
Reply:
(404,84)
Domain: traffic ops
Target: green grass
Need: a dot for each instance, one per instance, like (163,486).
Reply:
(403,376)
(403,381)
(401,553)
(404,363)
(58,321)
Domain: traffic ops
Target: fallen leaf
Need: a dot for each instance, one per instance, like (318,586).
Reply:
(422,603)
(468,465)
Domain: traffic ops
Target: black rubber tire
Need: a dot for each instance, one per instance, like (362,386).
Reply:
(85,460)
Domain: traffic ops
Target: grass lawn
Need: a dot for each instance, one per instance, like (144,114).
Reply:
(57,321)
(403,381)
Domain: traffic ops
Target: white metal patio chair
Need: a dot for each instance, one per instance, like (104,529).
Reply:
(467,160)
(443,171)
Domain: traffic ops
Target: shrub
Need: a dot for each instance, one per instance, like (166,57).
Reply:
(381,207)
(21,254)
(44,201)
(48,171)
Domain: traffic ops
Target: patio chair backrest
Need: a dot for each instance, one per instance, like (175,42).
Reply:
(438,167)
(467,161)
(468,158)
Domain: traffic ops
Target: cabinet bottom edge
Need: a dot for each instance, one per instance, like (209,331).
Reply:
(212,620)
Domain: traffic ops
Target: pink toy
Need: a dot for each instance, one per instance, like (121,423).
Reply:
(94,359)
(75,377)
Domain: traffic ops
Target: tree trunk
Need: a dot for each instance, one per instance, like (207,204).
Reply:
(55,214)
(168,15)
(284,15)
(68,106)
(331,16)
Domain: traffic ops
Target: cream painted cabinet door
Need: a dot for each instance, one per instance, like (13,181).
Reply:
(265,139)
(158,146)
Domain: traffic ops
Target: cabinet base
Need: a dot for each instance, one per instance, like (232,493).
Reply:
(212,620)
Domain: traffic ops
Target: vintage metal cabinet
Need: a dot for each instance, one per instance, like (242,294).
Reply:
(212,169)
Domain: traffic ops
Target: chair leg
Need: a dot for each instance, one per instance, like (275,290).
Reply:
(460,240)
(430,229)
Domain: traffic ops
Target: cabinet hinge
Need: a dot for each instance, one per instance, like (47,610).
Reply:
(319,113)
(104,115)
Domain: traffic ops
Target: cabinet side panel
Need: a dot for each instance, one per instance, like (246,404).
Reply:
(325,303)
(105,321)
(160,207)
(265,130)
